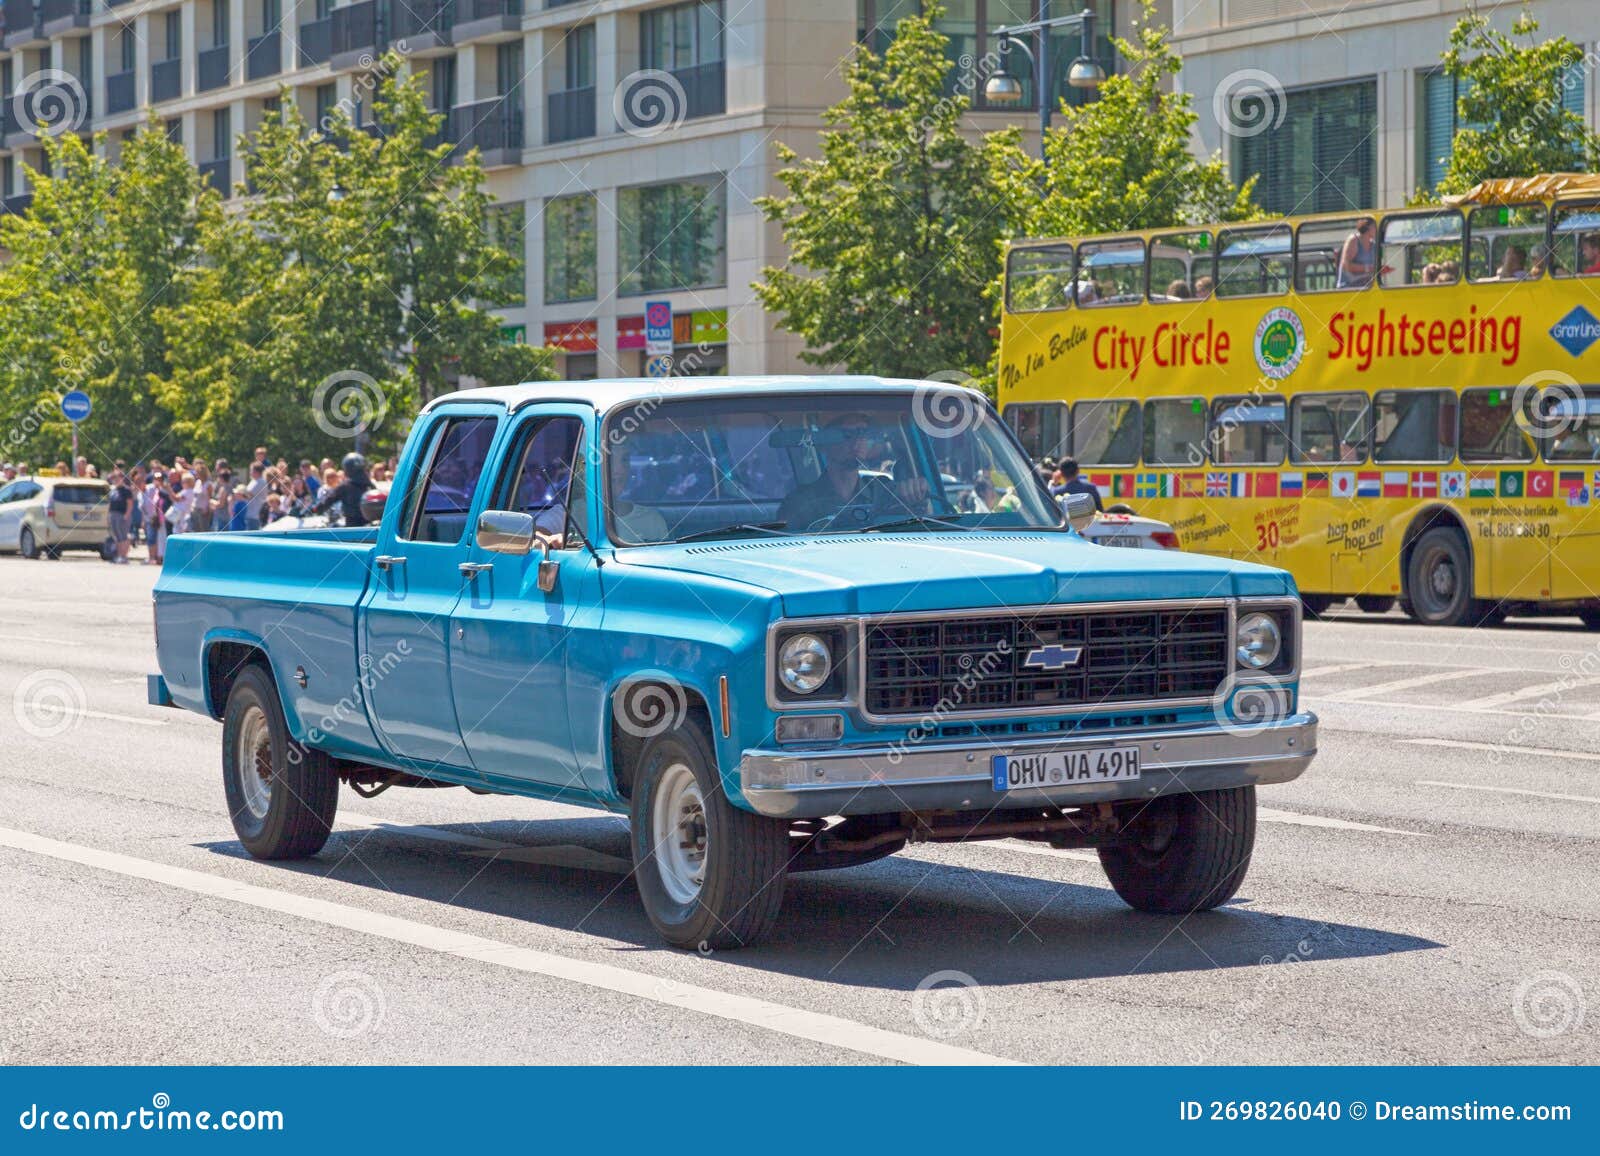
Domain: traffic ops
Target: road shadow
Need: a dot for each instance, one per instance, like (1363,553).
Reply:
(885,925)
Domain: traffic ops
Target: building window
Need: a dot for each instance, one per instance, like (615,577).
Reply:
(508,67)
(219,23)
(444,83)
(569,249)
(125,48)
(671,236)
(327,96)
(578,46)
(174,35)
(221,133)
(1440,103)
(1320,157)
(175,130)
(683,36)
(504,224)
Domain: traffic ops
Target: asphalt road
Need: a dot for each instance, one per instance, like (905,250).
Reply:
(1428,893)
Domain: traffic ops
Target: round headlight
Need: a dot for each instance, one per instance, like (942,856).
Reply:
(804,663)
(1259,641)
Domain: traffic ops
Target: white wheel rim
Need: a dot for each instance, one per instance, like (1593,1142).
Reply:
(678,833)
(252,762)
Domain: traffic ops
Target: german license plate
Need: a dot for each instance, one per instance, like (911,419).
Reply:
(1063,768)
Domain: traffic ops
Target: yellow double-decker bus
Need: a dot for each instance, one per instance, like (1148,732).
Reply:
(1399,405)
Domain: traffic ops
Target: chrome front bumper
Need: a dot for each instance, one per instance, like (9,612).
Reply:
(956,776)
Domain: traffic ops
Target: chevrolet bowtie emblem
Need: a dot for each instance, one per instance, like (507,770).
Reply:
(1053,657)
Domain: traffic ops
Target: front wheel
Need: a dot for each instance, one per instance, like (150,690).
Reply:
(282,797)
(1188,852)
(1374,603)
(711,876)
(1316,605)
(27,544)
(1439,580)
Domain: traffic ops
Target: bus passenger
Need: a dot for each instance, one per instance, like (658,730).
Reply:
(1449,272)
(1358,260)
(1203,287)
(1514,267)
(1430,273)
(1179,290)
(1590,259)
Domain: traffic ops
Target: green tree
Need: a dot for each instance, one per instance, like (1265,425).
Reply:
(102,252)
(893,230)
(1123,161)
(1509,104)
(355,284)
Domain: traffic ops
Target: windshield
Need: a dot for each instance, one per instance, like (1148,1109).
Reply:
(824,463)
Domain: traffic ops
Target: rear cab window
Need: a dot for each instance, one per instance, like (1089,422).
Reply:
(441,501)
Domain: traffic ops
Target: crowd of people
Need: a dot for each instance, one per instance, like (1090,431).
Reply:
(153,499)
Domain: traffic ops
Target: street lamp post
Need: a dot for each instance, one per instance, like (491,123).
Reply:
(1003,89)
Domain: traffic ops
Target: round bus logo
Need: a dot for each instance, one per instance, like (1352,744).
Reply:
(1280,343)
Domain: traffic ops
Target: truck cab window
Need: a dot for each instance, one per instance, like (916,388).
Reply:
(454,463)
(543,477)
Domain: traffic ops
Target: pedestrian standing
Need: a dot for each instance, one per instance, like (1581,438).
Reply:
(119,506)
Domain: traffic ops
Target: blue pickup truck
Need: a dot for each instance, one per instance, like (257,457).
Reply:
(770,620)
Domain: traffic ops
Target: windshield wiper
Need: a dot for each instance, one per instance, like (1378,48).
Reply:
(775,529)
(913,520)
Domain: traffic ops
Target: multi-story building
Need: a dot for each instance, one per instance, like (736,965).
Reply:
(1341,104)
(626,140)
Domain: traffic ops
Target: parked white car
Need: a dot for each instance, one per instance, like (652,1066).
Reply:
(1131,531)
(46,515)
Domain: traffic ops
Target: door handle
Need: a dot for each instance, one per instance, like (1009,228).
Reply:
(384,561)
(473,569)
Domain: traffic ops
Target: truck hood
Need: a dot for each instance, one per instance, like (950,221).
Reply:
(892,573)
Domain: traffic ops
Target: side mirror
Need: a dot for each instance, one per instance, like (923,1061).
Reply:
(1080,510)
(506,532)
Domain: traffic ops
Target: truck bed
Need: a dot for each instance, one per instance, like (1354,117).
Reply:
(292,593)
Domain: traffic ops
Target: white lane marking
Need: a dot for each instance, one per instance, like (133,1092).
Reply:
(831,1031)
(1465,745)
(1509,791)
(1268,815)
(1409,683)
(1493,700)
(53,712)
(46,641)
(1319,671)
(1335,700)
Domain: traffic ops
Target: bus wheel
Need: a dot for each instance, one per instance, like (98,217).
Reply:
(1316,605)
(1439,580)
(1374,603)
(1591,618)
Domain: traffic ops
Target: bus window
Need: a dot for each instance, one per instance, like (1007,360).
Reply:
(1105,433)
(1175,431)
(1506,242)
(1318,245)
(1490,427)
(1575,240)
(1253,262)
(1180,267)
(1569,421)
(1413,425)
(1420,249)
(1328,427)
(1111,272)
(1039,278)
(1247,431)
(1041,428)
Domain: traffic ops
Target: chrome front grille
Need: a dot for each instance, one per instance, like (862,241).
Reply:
(980,662)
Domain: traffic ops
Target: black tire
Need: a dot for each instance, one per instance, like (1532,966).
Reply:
(293,817)
(1439,580)
(53,553)
(27,544)
(1374,603)
(743,857)
(1591,619)
(1191,851)
(1316,605)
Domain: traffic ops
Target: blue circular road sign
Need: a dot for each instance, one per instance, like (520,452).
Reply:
(75,405)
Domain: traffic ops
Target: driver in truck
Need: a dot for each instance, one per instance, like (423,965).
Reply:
(842,484)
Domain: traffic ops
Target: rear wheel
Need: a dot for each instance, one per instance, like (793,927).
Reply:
(1189,852)
(1374,603)
(1439,580)
(711,876)
(282,797)
(1316,605)
(27,545)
